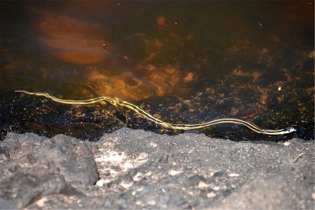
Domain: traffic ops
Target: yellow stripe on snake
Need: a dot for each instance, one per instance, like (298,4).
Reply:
(120,103)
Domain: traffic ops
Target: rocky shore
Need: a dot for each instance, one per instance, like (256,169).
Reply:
(137,169)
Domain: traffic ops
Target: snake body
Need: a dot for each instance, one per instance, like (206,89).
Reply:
(121,103)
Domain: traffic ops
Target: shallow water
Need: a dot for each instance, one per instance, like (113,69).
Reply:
(183,61)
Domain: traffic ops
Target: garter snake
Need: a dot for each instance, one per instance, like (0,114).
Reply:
(121,103)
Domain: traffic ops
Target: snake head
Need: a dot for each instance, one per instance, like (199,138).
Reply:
(290,130)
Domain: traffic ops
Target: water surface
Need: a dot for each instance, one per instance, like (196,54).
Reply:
(183,61)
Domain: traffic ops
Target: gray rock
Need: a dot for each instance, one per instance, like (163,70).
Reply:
(34,166)
(139,169)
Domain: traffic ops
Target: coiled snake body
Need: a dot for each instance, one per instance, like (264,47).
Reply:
(120,103)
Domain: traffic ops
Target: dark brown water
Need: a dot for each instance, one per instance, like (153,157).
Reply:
(184,61)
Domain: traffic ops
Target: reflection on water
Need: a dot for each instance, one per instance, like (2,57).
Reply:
(141,51)
(71,40)
(76,49)
(83,43)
